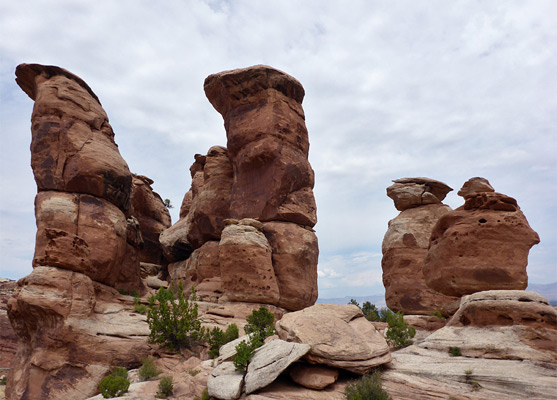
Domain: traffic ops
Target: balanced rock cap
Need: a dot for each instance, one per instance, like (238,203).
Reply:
(475,185)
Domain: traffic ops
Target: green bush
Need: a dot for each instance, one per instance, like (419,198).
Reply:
(115,384)
(367,388)
(123,291)
(148,369)
(399,334)
(455,351)
(371,313)
(261,322)
(3,380)
(166,388)
(173,318)
(217,338)
(204,395)
(245,351)
(437,314)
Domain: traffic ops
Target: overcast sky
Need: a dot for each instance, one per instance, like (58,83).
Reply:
(443,89)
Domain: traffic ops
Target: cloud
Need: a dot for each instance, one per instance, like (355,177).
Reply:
(437,89)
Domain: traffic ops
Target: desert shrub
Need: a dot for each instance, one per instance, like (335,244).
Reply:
(455,351)
(148,369)
(217,338)
(245,351)
(399,334)
(261,322)
(166,387)
(371,313)
(437,314)
(173,318)
(194,372)
(3,380)
(367,388)
(116,384)
(204,395)
(134,293)
(123,291)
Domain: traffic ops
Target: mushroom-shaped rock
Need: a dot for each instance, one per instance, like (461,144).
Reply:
(475,185)
(270,360)
(339,337)
(72,146)
(413,192)
(480,246)
(267,143)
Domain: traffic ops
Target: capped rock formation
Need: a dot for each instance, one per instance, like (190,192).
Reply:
(67,314)
(262,176)
(405,247)
(482,245)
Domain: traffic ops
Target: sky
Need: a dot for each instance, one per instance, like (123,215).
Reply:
(446,90)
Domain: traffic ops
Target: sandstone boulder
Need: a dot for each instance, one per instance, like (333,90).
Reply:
(413,192)
(225,382)
(475,185)
(482,245)
(246,266)
(294,254)
(174,242)
(72,146)
(404,250)
(267,143)
(313,376)
(270,360)
(153,216)
(339,337)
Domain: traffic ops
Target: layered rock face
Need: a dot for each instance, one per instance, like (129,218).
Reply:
(405,246)
(87,244)
(153,217)
(482,245)
(262,176)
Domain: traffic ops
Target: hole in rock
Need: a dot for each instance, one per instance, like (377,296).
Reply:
(482,221)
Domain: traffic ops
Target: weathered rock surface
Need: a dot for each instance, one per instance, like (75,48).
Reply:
(246,265)
(313,376)
(225,382)
(174,242)
(267,143)
(418,373)
(71,332)
(153,216)
(413,192)
(270,360)
(404,250)
(72,147)
(482,245)
(507,324)
(339,337)
(8,339)
(294,254)
(85,234)
(475,185)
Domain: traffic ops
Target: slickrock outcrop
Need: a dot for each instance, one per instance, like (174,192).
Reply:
(71,331)
(405,247)
(482,245)
(339,337)
(67,314)
(508,341)
(153,217)
(264,175)
(507,324)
